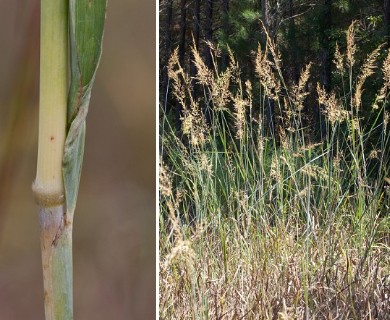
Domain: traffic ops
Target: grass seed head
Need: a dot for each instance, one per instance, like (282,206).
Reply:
(181,81)
(299,91)
(386,119)
(220,92)
(194,125)
(181,252)
(165,180)
(338,60)
(386,78)
(367,70)
(205,164)
(264,70)
(333,109)
(240,122)
(351,44)
(203,74)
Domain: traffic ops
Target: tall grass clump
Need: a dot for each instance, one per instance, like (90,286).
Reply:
(276,224)
(68,28)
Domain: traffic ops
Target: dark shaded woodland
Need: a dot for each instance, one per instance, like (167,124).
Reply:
(304,31)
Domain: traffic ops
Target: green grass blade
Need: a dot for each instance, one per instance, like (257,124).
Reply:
(86,21)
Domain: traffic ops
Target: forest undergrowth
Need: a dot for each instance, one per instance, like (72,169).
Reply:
(282,217)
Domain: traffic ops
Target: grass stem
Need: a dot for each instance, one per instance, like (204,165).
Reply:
(56,227)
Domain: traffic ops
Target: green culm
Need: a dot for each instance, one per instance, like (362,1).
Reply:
(68,29)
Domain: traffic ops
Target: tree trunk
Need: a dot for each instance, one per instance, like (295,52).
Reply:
(292,38)
(168,28)
(167,50)
(208,58)
(196,22)
(225,26)
(182,35)
(182,47)
(196,35)
(264,14)
(326,51)
(269,103)
(326,58)
(387,20)
(208,31)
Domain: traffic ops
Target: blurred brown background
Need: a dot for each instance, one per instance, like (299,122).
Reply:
(114,227)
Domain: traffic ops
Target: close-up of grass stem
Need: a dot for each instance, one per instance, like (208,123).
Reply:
(76,26)
(77,160)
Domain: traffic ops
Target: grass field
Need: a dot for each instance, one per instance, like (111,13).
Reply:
(286,224)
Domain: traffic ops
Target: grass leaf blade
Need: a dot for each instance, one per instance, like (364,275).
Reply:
(86,21)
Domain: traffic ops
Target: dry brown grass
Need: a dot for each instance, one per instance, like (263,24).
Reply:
(267,274)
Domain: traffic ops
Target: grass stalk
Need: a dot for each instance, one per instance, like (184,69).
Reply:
(56,226)
(61,134)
